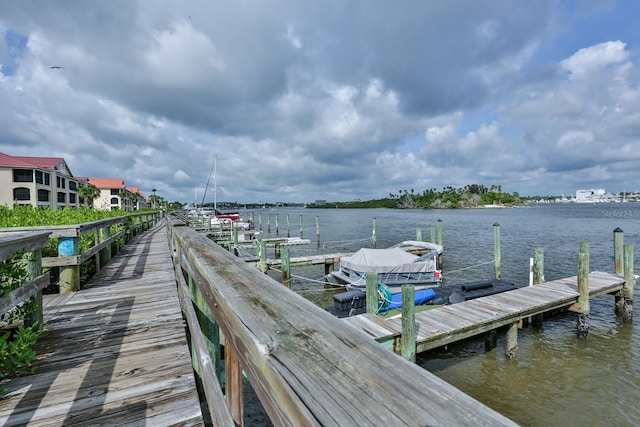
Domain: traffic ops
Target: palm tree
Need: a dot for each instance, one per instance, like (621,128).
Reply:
(88,193)
(153,198)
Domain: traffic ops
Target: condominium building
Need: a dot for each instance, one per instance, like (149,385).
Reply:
(48,182)
(37,181)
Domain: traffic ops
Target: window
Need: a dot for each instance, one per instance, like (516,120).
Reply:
(72,185)
(47,178)
(43,195)
(39,177)
(115,201)
(72,198)
(62,197)
(60,182)
(21,194)
(22,175)
(115,191)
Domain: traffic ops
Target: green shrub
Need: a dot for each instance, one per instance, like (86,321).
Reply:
(16,351)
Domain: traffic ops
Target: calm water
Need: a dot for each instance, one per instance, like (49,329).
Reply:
(556,379)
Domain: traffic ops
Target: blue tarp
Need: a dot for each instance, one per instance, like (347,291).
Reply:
(421,296)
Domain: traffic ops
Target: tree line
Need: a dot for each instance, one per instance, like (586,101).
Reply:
(469,196)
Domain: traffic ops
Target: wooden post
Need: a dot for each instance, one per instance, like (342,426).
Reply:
(233,385)
(582,306)
(372,292)
(538,279)
(373,237)
(433,235)
(209,327)
(408,337)
(618,266)
(496,251)
(618,249)
(318,230)
(440,232)
(419,234)
(288,226)
(511,341)
(263,256)
(260,221)
(629,283)
(490,340)
(105,253)
(96,242)
(234,227)
(286,267)
(268,223)
(69,275)
(301,234)
(277,229)
(34,270)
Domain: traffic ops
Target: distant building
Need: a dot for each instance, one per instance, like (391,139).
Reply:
(588,196)
(321,202)
(114,195)
(37,181)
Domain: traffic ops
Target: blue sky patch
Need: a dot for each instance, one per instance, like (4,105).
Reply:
(15,45)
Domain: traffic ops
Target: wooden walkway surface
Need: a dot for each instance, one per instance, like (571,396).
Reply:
(114,353)
(455,322)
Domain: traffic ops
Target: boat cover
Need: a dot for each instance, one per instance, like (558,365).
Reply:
(392,260)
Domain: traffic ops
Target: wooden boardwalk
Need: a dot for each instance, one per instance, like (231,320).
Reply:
(455,322)
(115,353)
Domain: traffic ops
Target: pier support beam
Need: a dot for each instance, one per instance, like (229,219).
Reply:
(511,341)
(538,279)
(618,266)
(490,340)
(582,305)
(496,251)
(629,283)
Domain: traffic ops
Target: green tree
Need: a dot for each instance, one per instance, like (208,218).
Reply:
(88,193)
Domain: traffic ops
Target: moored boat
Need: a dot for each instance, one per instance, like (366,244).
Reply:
(394,266)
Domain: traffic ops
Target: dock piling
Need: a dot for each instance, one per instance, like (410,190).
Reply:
(582,305)
(286,267)
(618,265)
(419,234)
(372,292)
(496,251)
(629,283)
(373,237)
(511,341)
(408,337)
(538,279)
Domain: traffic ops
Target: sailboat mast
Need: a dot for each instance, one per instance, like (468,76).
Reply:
(215,185)
(213,166)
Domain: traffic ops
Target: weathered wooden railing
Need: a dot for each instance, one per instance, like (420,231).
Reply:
(108,232)
(32,242)
(304,365)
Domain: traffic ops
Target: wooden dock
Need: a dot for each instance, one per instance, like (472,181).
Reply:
(451,323)
(114,353)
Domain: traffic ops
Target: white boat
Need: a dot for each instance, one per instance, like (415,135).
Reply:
(395,266)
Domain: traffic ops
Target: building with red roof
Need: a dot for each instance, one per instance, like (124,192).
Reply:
(37,181)
(48,182)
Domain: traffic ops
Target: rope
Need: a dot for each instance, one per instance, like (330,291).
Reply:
(471,266)
(307,279)
(384,299)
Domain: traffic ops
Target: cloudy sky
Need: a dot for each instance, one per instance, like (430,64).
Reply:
(336,100)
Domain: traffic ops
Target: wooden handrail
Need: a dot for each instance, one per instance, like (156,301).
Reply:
(306,368)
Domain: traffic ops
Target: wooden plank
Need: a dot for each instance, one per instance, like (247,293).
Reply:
(448,324)
(114,353)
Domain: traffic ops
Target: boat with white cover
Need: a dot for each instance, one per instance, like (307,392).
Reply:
(395,266)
